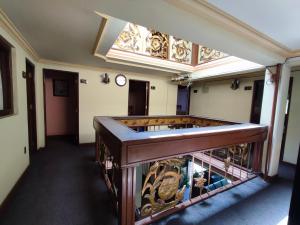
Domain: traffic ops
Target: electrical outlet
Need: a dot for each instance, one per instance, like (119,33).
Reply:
(25,150)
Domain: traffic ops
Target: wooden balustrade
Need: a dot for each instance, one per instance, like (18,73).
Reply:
(120,150)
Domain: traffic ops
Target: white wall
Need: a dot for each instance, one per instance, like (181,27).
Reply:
(13,129)
(95,98)
(99,99)
(293,132)
(217,100)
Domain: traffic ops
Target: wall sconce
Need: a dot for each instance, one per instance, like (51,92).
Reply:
(235,84)
(24,75)
(105,78)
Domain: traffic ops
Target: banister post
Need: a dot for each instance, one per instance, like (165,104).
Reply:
(257,157)
(126,196)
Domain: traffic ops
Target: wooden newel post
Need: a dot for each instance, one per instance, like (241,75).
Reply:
(126,196)
(257,157)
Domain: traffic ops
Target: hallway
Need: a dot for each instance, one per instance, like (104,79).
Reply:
(62,186)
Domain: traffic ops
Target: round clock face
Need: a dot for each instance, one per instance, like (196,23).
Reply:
(121,80)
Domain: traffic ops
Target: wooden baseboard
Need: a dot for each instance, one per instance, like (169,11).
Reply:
(12,191)
(91,144)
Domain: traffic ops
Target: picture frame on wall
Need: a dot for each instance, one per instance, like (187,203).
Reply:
(60,88)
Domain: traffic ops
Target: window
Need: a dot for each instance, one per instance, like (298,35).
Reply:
(6,100)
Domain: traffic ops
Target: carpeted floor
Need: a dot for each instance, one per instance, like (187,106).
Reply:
(63,187)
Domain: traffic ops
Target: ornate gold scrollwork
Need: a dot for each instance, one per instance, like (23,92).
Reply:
(200,183)
(208,54)
(158,44)
(164,191)
(240,151)
(227,163)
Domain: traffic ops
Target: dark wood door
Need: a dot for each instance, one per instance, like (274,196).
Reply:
(138,100)
(294,214)
(76,107)
(31,106)
(258,91)
(183,100)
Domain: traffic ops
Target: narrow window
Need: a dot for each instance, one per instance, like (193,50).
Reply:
(6,99)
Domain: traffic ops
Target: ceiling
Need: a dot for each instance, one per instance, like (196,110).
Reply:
(63,30)
(278,20)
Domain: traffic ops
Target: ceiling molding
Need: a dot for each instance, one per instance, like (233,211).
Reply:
(202,9)
(8,25)
(72,67)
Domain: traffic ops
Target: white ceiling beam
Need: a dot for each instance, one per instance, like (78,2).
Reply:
(109,30)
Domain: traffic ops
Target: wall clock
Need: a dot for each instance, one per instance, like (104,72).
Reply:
(121,80)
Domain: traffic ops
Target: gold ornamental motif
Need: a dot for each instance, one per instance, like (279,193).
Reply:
(181,50)
(208,54)
(157,44)
(227,163)
(163,178)
(200,182)
(130,39)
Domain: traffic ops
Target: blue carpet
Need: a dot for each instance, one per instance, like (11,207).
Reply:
(63,186)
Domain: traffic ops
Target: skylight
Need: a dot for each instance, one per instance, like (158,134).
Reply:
(148,42)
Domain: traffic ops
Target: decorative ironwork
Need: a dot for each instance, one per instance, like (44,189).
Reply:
(162,181)
(180,50)
(227,163)
(208,54)
(200,182)
(157,44)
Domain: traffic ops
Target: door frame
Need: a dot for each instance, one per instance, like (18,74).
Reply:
(28,62)
(76,84)
(255,83)
(147,95)
(286,119)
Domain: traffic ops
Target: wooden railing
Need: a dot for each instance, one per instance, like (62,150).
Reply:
(229,150)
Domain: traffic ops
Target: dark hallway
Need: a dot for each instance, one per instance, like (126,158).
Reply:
(63,186)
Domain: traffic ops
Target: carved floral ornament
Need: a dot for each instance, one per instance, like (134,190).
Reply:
(149,42)
(162,186)
(208,54)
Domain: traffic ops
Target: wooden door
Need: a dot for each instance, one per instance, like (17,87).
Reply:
(31,106)
(258,91)
(138,100)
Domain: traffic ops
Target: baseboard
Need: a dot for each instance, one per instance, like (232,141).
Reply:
(12,191)
(288,164)
(90,144)
(270,179)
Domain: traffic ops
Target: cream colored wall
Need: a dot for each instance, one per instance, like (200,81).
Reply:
(13,129)
(217,100)
(97,98)
(293,132)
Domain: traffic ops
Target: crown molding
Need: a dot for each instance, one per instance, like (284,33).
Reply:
(74,67)
(8,25)
(201,8)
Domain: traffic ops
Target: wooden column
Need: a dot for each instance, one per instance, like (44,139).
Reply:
(126,196)
(257,157)
(195,51)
